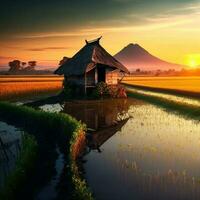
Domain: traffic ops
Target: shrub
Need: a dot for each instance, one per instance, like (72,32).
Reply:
(102,89)
(113,91)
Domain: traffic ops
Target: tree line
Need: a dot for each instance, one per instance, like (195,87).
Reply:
(17,65)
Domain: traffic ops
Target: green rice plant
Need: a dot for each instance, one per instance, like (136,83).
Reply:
(77,146)
(24,165)
(81,192)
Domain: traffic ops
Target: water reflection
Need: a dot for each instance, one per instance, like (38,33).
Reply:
(10,139)
(103,118)
(155,155)
(99,114)
(96,139)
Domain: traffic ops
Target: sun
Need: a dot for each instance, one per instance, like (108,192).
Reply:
(193,63)
(193,60)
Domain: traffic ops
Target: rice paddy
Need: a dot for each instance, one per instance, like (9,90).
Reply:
(170,97)
(28,87)
(154,155)
(133,149)
(189,84)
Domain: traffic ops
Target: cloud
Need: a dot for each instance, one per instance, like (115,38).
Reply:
(187,8)
(46,48)
(62,15)
(53,35)
(116,13)
(126,1)
(177,18)
(5,57)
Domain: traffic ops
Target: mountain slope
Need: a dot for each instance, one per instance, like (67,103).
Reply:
(134,56)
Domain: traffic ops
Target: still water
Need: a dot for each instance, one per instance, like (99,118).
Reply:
(143,151)
(10,141)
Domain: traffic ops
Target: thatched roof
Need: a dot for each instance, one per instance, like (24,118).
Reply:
(86,59)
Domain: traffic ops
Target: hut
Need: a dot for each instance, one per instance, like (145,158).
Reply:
(90,65)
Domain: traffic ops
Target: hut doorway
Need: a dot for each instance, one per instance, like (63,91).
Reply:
(101,74)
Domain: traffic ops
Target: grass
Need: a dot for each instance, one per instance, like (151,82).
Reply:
(26,87)
(49,129)
(186,84)
(24,165)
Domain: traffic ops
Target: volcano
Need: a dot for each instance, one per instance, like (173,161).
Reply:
(135,57)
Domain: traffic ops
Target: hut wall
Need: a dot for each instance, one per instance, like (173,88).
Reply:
(90,78)
(76,80)
(112,77)
(77,83)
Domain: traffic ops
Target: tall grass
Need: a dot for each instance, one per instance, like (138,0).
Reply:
(24,165)
(47,129)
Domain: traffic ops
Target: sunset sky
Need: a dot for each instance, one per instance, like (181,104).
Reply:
(46,31)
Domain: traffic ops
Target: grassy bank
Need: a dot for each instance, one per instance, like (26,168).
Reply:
(24,165)
(181,108)
(49,129)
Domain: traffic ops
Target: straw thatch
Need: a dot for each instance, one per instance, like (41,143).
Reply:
(87,58)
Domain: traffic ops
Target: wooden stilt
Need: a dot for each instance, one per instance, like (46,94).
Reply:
(85,84)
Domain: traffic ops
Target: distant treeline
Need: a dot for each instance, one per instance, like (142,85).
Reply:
(21,72)
(170,72)
(17,67)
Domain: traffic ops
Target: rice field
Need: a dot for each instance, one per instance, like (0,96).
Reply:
(170,97)
(189,84)
(15,88)
(153,156)
(146,150)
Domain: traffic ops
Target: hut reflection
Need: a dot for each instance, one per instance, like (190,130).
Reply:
(103,118)
(98,114)
(96,139)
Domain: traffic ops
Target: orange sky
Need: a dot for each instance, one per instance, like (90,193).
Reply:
(169,36)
